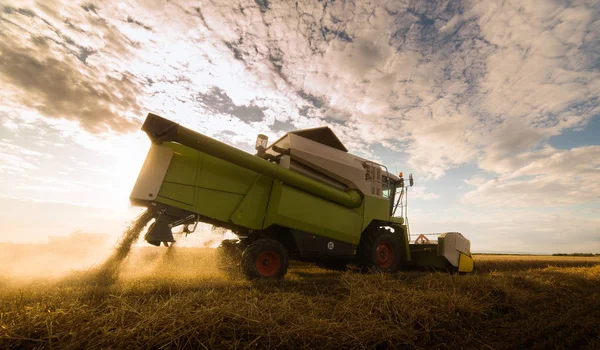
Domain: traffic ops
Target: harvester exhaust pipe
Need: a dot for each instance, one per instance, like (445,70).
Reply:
(160,130)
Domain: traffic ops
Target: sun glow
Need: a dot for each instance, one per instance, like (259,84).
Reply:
(124,157)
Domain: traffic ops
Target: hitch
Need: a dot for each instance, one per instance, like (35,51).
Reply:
(186,228)
(160,231)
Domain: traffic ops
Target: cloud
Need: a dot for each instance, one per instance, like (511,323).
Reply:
(420,192)
(475,180)
(545,68)
(507,144)
(217,101)
(450,84)
(18,160)
(51,73)
(524,230)
(58,91)
(44,159)
(439,141)
(544,178)
(439,79)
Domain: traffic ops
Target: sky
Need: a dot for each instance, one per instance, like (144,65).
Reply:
(493,106)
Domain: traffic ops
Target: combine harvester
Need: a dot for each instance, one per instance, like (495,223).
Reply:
(304,197)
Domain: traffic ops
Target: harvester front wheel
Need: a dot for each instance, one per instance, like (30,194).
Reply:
(380,250)
(265,258)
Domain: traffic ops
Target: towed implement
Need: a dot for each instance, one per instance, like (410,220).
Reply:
(303,197)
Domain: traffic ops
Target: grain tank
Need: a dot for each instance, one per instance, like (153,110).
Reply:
(303,197)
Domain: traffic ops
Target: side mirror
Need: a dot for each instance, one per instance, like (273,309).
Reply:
(261,142)
(410,180)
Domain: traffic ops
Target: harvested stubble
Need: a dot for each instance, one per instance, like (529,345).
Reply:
(179,300)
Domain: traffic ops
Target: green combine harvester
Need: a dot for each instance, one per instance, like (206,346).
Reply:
(304,197)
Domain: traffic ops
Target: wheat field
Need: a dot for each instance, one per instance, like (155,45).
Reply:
(176,298)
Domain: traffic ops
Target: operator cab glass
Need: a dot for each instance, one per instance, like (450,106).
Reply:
(388,190)
(386,187)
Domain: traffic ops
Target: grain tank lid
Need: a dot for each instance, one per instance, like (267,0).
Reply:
(323,135)
(159,129)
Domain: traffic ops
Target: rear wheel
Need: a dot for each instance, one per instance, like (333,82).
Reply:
(265,258)
(380,250)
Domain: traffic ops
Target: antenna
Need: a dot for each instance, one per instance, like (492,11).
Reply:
(406,215)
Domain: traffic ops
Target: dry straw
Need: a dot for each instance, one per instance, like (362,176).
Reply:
(177,299)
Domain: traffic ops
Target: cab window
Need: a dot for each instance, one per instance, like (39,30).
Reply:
(386,187)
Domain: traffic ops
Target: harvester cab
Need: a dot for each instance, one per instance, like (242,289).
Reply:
(303,197)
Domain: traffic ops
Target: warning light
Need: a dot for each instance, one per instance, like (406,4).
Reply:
(401,175)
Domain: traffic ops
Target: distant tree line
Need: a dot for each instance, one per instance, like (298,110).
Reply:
(576,254)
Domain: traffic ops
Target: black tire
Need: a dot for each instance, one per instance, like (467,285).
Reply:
(379,250)
(265,259)
(229,255)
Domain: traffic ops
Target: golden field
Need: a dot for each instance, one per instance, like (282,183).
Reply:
(178,299)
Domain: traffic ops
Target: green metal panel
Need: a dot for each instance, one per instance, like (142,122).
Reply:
(273,206)
(403,231)
(180,193)
(209,186)
(218,174)
(252,209)
(303,211)
(375,209)
(180,178)
(175,203)
(184,165)
(216,204)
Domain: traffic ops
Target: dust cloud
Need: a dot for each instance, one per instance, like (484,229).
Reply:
(108,272)
(55,259)
(95,259)
(92,255)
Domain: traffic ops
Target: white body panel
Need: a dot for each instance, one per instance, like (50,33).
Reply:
(331,165)
(454,244)
(152,174)
(341,166)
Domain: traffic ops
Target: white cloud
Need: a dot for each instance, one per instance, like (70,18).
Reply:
(524,230)
(439,141)
(543,63)
(451,84)
(420,192)
(475,180)
(544,178)
(16,160)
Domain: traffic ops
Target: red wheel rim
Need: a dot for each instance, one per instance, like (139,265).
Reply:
(268,263)
(384,255)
